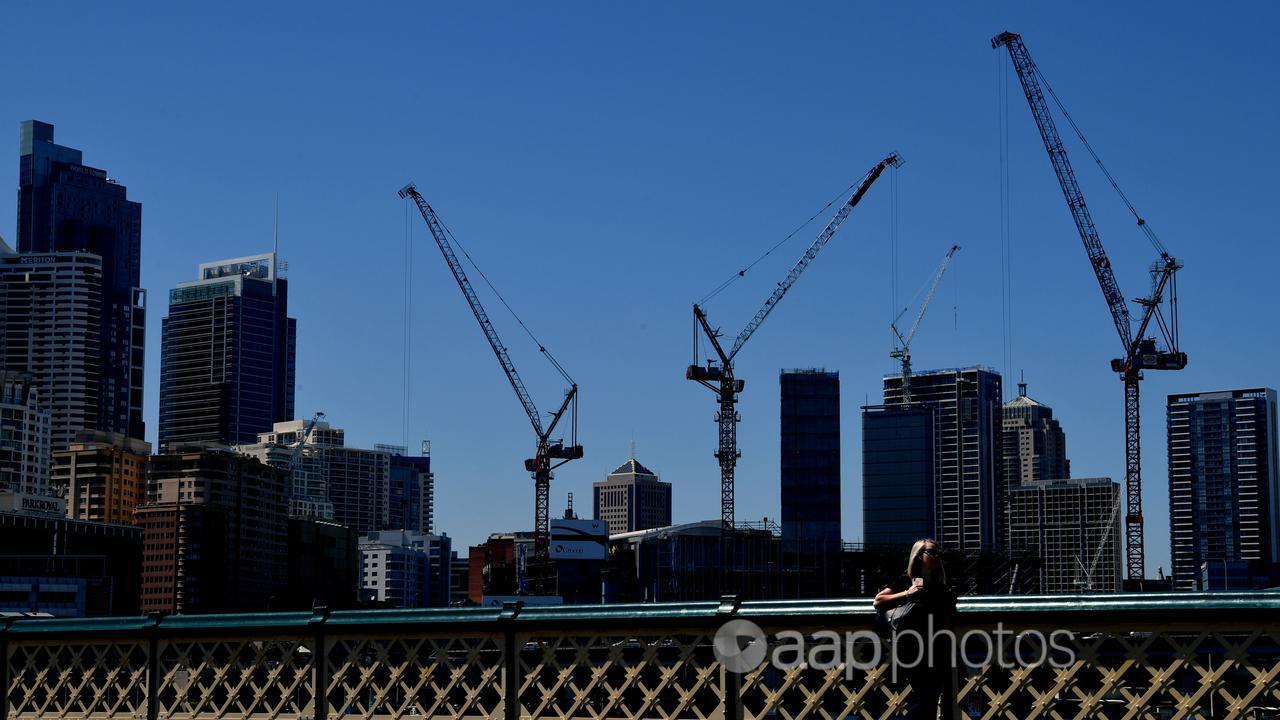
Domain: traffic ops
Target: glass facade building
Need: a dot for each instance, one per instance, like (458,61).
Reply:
(898,475)
(65,206)
(227,355)
(810,459)
(1224,495)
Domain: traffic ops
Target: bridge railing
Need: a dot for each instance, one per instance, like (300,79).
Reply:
(1133,655)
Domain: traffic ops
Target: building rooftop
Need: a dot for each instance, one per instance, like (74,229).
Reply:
(633,467)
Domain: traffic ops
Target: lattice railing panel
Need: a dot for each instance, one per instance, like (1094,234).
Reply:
(649,674)
(266,678)
(69,679)
(415,675)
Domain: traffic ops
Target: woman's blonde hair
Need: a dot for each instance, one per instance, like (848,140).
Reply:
(915,565)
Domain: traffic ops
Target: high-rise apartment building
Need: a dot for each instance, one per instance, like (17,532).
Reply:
(411,493)
(1035,447)
(353,483)
(810,459)
(24,436)
(50,307)
(65,206)
(215,532)
(967,429)
(1073,527)
(227,354)
(1224,492)
(105,476)
(632,498)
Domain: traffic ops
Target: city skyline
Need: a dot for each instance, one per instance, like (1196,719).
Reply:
(727,179)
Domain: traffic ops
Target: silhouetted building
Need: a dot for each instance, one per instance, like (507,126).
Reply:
(899,475)
(227,354)
(50,329)
(1224,489)
(215,532)
(632,498)
(684,563)
(1035,447)
(459,580)
(105,476)
(67,567)
(1073,527)
(65,206)
(968,488)
(24,436)
(810,460)
(411,491)
(324,565)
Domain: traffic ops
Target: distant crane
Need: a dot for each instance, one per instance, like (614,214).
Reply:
(903,350)
(548,454)
(1140,352)
(305,502)
(720,378)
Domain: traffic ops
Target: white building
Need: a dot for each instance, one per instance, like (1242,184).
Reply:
(406,569)
(25,428)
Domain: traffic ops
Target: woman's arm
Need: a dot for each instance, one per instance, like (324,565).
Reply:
(887,598)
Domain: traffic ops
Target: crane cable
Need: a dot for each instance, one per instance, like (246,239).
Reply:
(1142,223)
(541,348)
(742,273)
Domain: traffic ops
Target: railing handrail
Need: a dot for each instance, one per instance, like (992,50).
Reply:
(971,609)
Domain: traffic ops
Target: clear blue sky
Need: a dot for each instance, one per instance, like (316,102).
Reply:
(607,164)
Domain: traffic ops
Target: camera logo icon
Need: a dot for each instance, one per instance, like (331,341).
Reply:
(740,646)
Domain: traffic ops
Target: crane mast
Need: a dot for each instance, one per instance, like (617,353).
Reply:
(903,351)
(1140,352)
(547,451)
(720,378)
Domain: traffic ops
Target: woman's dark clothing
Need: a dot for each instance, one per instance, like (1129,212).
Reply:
(930,682)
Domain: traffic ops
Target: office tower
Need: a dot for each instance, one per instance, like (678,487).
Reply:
(49,320)
(898,475)
(1073,526)
(215,532)
(632,498)
(1224,496)
(227,354)
(406,569)
(1035,447)
(810,459)
(65,206)
(353,484)
(411,495)
(967,449)
(105,476)
(24,436)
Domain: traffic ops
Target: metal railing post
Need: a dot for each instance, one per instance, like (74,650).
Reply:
(730,682)
(153,666)
(511,661)
(4,669)
(319,663)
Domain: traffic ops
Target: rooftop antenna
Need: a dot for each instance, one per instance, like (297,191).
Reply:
(1022,383)
(633,447)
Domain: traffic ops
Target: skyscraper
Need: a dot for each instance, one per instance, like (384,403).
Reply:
(1035,447)
(1224,491)
(65,206)
(105,476)
(810,459)
(49,320)
(899,475)
(632,498)
(967,429)
(227,354)
(411,493)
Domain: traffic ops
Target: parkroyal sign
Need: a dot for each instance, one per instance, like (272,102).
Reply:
(32,504)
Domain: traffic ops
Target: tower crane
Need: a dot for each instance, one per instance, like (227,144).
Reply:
(719,378)
(903,350)
(306,502)
(1139,351)
(548,454)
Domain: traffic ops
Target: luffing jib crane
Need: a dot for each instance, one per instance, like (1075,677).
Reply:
(720,378)
(1140,351)
(549,454)
(903,350)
